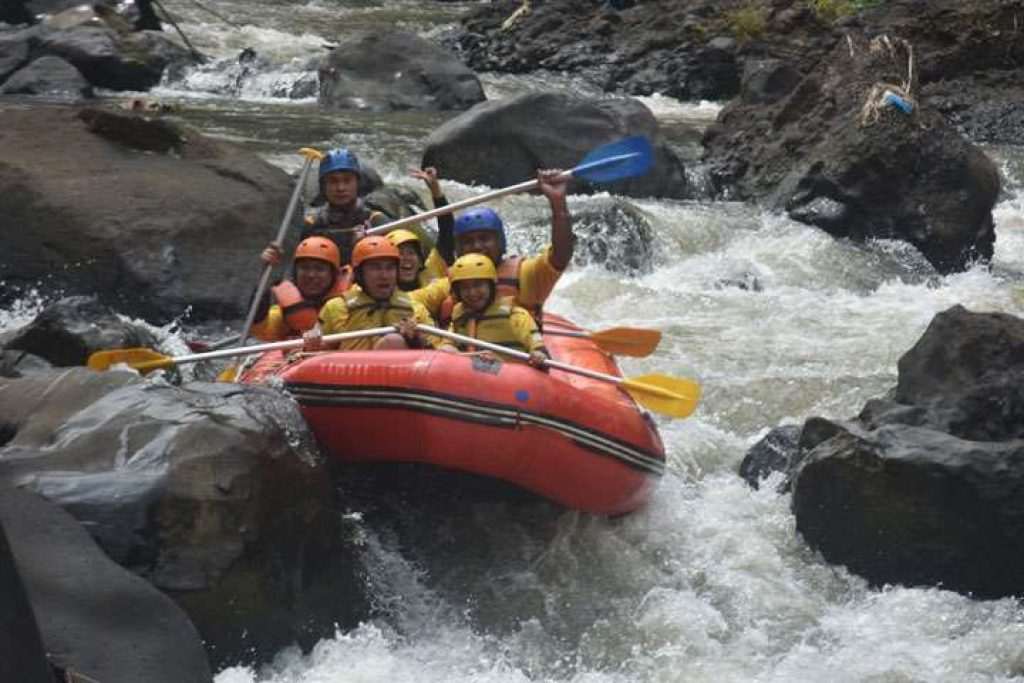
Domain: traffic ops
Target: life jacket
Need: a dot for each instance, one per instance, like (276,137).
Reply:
(508,287)
(365,312)
(493,325)
(300,314)
(341,227)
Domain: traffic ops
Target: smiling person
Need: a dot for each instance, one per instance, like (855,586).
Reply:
(316,278)
(529,281)
(480,314)
(375,302)
(344,218)
(415,271)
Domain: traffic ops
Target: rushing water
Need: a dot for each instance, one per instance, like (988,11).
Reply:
(778,322)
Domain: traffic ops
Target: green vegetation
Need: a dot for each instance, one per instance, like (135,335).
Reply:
(748,22)
(830,10)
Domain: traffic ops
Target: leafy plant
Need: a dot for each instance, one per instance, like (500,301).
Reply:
(748,22)
(830,10)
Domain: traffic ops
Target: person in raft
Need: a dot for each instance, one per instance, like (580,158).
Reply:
(529,281)
(316,278)
(375,302)
(418,269)
(480,314)
(345,217)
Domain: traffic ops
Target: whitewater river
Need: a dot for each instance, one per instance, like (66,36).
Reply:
(710,581)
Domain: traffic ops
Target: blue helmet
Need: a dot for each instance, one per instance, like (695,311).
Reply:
(339,160)
(480,218)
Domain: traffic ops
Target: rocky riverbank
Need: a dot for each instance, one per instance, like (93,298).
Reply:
(968,51)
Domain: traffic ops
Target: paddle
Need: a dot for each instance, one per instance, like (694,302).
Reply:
(622,341)
(198,346)
(144,360)
(624,158)
(311,156)
(672,396)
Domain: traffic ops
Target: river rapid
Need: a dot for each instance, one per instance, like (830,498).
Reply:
(778,322)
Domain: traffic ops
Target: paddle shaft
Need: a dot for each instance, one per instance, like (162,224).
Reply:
(525,186)
(274,346)
(281,232)
(497,348)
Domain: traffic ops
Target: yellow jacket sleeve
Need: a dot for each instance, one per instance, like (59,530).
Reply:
(525,330)
(434,266)
(334,316)
(422,316)
(272,328)
(537,278)
(432,296)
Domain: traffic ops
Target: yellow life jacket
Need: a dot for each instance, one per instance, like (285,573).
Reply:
(508,288)
(494,324)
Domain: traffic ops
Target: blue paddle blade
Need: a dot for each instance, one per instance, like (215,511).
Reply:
(624,158)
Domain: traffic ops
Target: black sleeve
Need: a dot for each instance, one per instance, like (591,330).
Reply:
(445,232)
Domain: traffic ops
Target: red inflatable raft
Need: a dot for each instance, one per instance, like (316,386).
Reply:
(578,441)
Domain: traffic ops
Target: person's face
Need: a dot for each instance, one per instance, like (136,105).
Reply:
(475,294)
(313,277)
(486,242)
(409,264)
(341,188)
(380,278)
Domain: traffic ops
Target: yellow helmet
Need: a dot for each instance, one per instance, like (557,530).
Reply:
(401,236)
(472,267)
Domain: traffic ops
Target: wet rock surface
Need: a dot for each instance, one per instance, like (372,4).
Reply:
(68,331)
(104,224)
(924,486)
(396,71)
(214,493)
(95,618)
(503,142)
(969,50)
(836,153)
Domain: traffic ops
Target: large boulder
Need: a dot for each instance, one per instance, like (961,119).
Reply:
(22,656)
(504,142)
(47,76)
(101,46)
(99,621)
(833,153)
(395,71)
(923,487)
(214,493)
(14,53)
(153,234)
(68,331)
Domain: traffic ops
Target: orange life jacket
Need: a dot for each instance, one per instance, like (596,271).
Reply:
(301,314)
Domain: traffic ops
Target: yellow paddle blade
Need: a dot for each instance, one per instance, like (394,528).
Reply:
(628,341)
(228,374)
(672,396)
(141,359)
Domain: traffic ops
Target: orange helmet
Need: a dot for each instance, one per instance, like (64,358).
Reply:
(320,248)
(373,247)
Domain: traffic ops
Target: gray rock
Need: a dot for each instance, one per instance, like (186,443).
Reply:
(47,76)
(152,234)
(829,153)
(14,53)
(95,618)
(395,71)
(923,487)
(65,333)
(214,493)
(504,142)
